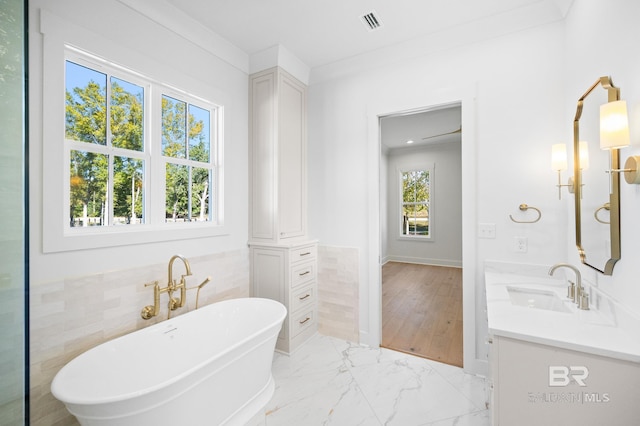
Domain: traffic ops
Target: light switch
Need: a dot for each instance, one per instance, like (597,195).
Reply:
(487,230)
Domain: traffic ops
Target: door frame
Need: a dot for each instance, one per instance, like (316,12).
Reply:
(371,333)
(385,199)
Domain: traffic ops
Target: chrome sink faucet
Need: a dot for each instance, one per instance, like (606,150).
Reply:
(574,291)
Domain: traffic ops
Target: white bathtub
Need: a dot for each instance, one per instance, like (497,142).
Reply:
(211,366)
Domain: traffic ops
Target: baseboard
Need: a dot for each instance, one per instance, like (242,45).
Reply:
(422,261)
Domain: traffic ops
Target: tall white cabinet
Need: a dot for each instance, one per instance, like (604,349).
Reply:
(283,259)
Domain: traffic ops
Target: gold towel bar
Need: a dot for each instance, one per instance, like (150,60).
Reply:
(525,207)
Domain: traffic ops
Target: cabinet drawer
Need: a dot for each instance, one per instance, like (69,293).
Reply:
(303,253)
(303,321)
(302,274)
(303,298)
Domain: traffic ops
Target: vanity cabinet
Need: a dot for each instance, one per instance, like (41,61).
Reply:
(535,384)
(288,274)
(278,158)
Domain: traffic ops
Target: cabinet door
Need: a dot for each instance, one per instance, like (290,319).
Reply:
(584,389)
(291,158)
(268,278)
(262,167)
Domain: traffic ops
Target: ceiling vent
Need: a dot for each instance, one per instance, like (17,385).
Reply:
(371,21)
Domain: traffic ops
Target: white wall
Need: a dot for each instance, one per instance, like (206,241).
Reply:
(602,39)
(525,86)
(157,52)
(81,298)
(445,217)
(519,114)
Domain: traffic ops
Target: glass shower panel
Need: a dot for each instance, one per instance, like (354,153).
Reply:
(13,323)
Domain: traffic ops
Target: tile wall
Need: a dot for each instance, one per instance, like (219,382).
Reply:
(73,315)
(338,298)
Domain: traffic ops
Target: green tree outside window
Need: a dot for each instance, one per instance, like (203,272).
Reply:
(415,203)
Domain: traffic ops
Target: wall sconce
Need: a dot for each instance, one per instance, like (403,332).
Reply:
(614,134)
(584,155)
(614,125)
(559,163)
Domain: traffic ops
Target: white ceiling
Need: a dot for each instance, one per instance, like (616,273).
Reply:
(430,127)
(327,33)
(323,32)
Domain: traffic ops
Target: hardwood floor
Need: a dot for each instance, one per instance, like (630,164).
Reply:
(422,311)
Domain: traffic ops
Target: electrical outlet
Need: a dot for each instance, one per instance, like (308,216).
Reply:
(487,230)
(521,244)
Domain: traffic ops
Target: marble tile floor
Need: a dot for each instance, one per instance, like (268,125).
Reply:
(332,382)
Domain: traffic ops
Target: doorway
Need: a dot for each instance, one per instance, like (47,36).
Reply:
(422,311)
(421,233)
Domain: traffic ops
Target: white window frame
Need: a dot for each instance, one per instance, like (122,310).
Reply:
(57,234)
(75,56)
(401,236)
(161,161)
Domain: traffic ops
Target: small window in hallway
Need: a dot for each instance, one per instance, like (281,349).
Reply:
(416,196)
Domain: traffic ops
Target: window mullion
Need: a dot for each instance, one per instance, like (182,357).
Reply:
(189,191)
(108,213)
(108,210)
(152,157)
(186,130)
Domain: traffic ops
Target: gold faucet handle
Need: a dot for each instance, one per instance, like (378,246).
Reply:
(174,303)
(150,311)
(182,285)
(147,312)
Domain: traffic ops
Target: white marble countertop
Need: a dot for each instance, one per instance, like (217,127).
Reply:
(587,331)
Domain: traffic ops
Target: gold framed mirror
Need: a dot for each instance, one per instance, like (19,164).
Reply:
(597,228)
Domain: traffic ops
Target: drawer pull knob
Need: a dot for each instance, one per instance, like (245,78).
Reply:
(304,297)
(305,254)
(304,273)
(305,320)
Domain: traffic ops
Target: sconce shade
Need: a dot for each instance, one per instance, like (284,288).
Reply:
(559,156)
(584,155)
(614,125)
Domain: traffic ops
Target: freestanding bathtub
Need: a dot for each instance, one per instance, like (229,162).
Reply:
(211,366)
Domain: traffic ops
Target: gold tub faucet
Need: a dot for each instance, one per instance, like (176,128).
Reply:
(150,311)
(182,285)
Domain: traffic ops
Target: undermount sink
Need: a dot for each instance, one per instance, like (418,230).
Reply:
(538,299)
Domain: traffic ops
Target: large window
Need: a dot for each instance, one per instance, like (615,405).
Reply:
(122,130)
(415,203)
(186,147)
(104,133)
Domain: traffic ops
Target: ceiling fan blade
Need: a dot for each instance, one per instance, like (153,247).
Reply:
(444,134)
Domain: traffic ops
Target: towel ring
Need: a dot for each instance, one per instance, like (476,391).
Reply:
(605,206)
(524,207)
